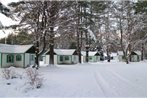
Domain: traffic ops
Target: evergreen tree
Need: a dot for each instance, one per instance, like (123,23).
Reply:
(141,7)
(72,45)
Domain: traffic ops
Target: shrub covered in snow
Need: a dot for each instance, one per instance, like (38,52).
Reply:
(34,78)
(9,73)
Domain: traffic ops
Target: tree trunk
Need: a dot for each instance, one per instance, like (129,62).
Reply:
(121,42)
(108,55)
(44,21)
(126,57)
(87,55)
(130,50)
(87,47)
(36,65)
(78,34)
(52,46)
(87,40)
(52,17)
(142,51)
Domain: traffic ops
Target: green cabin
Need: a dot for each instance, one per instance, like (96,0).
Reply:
(63,56)
(16,55)
(94,56)
(135,56)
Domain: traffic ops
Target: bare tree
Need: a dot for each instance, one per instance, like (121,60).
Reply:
(128,24)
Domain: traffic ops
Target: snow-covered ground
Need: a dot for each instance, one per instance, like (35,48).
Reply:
(102,79)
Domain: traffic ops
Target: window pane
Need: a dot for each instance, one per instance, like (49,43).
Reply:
(66,57)
(18,57)
(90,58)
(32,57)
(10,58)
(61,58)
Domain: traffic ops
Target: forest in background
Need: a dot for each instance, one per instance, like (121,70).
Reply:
(107,26)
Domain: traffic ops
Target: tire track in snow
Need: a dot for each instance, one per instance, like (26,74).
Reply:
(104,85)
(127,82)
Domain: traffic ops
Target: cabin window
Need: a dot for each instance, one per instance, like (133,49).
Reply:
(66,57)
(32,57)
(18,57)
(10,58)
(90,58)
(61,58)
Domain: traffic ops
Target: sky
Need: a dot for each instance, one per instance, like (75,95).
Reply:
(5,2)
(5,20)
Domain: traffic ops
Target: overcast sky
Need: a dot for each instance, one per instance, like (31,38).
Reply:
(5,20)
(5,2)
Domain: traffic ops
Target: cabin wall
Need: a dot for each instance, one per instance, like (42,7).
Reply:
(19,63)
(15,63)
(135,58)
(92,58)
(32,59)
(47,59)
(115,57)
(74,59)
(42,59)
(139,57)
(95,58)
(98,58)
(66,59)
(0,60)
(4,61)
(71,59)
(29,59)
(84,59)
(55,59)
(120,58)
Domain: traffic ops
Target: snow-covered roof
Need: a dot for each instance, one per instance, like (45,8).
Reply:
(120,52)
(64,51)
(5,48)
(113,54)
(91,53)
(138,52)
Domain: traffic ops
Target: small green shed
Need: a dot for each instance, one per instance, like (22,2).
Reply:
(16,55)
(94,56)
(63,56)
(135,56)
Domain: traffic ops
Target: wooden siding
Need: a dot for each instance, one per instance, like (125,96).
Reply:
(0,60)
(8,64)
(18,63)
(64,61)
(72,59)
(91,58)
(29,60)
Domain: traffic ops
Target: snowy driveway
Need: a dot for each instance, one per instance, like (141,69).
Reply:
(97,80)
(92,80)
